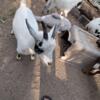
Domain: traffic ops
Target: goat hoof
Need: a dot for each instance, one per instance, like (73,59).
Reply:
(12,32)
(18,57)
(63,58)
(95,71)
(92,72)
(32,57)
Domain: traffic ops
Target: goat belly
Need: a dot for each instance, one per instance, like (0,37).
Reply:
(25,45)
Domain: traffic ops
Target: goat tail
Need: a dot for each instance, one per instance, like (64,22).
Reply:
(23,2)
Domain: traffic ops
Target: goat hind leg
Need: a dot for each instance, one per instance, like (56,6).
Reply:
(32,57)
(18,57)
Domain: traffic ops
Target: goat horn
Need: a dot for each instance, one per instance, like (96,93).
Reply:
(45,33)
(31,30)
(54,31)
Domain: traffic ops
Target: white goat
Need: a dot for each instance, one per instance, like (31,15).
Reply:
(28,36)
(65,5)
(94,27)
(50,20)
(63,27)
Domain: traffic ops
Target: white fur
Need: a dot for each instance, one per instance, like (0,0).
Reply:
(25,41)
(93,25)
(65,5)
(61,22)
(48,46)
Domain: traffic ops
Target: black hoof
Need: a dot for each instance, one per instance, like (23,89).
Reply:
(18,57)
(91,72)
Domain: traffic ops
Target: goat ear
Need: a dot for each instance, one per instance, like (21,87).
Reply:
(53,31)
(31,30)
(45,33)
(56,16)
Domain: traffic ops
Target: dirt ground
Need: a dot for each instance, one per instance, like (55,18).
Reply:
(27,80)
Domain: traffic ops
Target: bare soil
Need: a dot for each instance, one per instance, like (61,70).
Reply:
(27,80)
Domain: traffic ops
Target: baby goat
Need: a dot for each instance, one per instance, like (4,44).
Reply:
(29,39)
(65,5)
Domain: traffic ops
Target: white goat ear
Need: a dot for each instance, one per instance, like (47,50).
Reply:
(31,30)
(45,33)
(53,31)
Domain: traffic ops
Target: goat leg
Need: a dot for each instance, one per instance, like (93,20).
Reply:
(18,57)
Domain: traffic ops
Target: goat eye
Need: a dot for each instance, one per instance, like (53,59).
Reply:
(98,36)
(40,44)
(96,31)
(38,50)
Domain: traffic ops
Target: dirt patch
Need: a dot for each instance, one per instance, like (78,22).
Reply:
(26,80)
